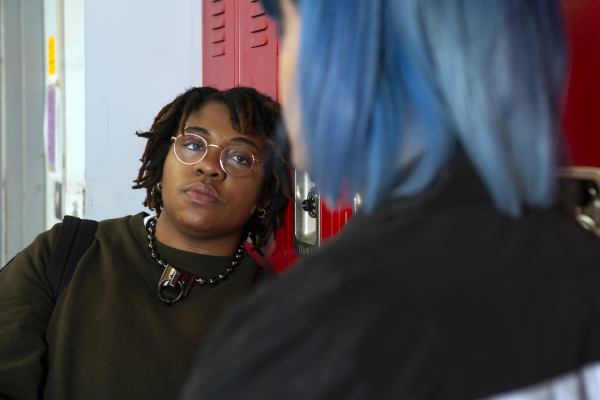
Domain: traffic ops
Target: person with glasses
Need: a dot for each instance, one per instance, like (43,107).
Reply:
(149,288)
(461,277)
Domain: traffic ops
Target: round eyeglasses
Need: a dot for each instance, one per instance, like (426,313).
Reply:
(190,149)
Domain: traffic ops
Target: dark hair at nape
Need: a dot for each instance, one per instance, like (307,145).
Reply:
(251,113)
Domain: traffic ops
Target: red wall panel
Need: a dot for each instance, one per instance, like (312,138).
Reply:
(582,107)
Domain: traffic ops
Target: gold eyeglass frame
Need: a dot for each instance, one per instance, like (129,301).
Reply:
(255,160)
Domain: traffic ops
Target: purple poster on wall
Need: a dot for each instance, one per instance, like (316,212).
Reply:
(51,129)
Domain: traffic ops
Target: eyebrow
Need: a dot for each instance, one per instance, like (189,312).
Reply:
(205,132)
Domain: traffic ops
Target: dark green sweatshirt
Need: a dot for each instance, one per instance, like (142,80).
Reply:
(108,336)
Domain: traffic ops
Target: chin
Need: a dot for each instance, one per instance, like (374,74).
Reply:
(200,220)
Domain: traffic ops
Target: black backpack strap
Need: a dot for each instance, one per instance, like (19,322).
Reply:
(11,260)
(74,237)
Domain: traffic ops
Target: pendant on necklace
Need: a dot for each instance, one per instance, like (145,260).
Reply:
(174,285)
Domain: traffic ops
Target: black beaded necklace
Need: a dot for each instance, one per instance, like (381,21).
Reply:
(175,285)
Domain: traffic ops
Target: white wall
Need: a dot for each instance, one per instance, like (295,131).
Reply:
(73,35)
(21,124)
(138,55)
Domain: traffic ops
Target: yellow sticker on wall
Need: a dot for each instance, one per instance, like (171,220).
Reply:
(51,55)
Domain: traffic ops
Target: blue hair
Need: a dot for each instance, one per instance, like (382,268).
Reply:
(388,89)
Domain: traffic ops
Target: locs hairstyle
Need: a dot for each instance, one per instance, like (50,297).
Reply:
(251,113)
(388,89)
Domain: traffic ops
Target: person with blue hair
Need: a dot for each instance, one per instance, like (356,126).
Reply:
(462,277)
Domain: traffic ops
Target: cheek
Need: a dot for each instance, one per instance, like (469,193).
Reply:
(249,197)
(171,172)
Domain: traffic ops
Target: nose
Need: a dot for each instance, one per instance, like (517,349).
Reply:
(210,165)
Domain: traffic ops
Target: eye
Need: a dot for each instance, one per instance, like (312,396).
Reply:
(238,156)
(241,159)
(194,145)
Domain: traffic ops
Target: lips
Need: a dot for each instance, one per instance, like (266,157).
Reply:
(203,194)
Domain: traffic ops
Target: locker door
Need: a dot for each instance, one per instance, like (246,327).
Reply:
(219,47)
(258,48)
(240,46)
(582,109)
(582,113)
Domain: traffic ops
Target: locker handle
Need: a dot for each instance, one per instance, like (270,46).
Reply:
(580,195)
(311,204)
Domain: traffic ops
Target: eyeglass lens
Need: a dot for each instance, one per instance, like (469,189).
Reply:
(235,160)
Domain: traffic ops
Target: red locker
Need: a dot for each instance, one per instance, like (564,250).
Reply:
(258,48)
(582,111)
(239,46)
(219,47)
(582,108)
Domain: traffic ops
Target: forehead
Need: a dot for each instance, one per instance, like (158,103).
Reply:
(209,116)
(216,119)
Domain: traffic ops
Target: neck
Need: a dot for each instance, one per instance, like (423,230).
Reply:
(178,238)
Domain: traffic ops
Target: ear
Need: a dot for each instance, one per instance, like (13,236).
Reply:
(262,206)
(260,213)
(265,199)
(263,203)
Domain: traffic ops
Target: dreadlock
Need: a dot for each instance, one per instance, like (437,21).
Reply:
(251,113)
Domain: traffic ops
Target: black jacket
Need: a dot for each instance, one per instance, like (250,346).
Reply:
(435,297)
